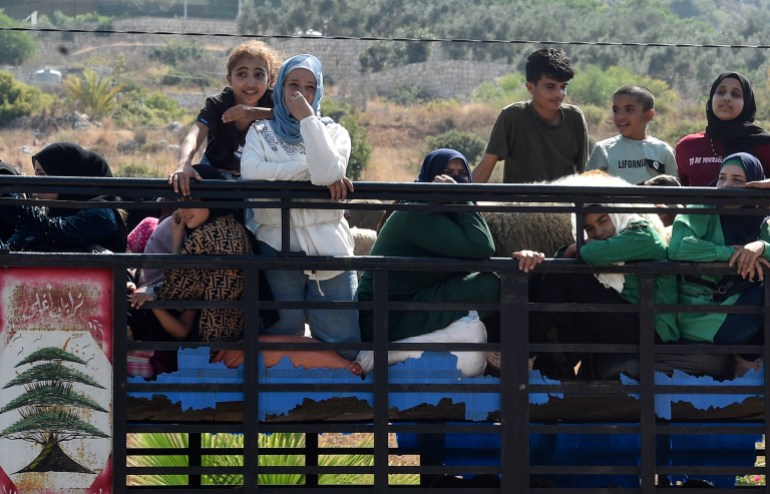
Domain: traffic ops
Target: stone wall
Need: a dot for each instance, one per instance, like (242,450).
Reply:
(437,78)
(440,78)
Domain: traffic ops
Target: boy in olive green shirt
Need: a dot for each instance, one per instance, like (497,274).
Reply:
(541,139)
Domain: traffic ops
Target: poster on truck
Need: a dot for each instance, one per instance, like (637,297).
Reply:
(55,380)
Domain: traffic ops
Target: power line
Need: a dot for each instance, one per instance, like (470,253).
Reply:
(395,39)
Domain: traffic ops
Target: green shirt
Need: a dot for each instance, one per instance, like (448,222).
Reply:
(699,238)
(426,234)
(640,241)
(535,151)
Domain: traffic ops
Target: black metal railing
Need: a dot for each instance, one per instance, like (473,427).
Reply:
(507,435)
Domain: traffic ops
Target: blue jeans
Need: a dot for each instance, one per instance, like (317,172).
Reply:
(333,326)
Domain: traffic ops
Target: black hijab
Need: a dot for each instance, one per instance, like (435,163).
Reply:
(742,229)
(67,159)
(740,133)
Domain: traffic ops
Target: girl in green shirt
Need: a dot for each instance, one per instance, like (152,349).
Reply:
(736,240)
(613,238)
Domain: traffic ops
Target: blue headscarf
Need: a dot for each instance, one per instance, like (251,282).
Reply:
(436,161)
(740,230)
(284,125)
(750,164)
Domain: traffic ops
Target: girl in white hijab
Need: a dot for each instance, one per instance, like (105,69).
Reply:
(613,238)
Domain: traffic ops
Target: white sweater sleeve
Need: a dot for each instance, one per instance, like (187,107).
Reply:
(260,162)
(327,148)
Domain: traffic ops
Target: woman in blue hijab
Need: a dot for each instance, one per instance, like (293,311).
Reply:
(299,145)
(739,240)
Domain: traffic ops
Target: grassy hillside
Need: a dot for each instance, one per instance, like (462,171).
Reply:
(401,118)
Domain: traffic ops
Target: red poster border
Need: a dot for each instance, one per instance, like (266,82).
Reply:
(102,484)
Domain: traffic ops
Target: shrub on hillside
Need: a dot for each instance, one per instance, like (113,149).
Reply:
(176,52)
(375,58)
(467,143)
(595,85)
(87,20)
(382,55)
(361,150)
(502,91)
(408,96)
(143,108)
(592,85)
(18,99)
(596,116)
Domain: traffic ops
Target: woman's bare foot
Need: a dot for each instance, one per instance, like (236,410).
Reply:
(742,366)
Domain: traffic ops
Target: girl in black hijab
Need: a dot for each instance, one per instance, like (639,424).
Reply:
(730,112)
(67,229)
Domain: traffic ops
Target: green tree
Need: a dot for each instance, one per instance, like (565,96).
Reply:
(18,99)
(375,58)
(94,94)
(18,46)
(502,91)
(361,150)
(594,85)
(417,51)
(49,409)
(154,7)
(222,9)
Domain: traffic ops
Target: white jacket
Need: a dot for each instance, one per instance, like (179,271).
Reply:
(322,159)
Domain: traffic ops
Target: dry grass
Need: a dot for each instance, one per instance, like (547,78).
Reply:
(18,145)
(397,135)
(16,148)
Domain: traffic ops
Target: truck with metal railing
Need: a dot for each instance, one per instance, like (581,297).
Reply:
(665,418)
